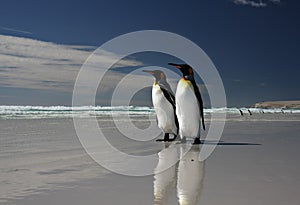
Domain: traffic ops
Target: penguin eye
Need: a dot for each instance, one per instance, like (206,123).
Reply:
(190,71)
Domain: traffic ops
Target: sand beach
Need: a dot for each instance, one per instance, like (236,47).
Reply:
(255,162)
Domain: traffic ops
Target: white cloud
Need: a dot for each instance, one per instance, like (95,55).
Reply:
(257,3)
(33,64)
(28,63)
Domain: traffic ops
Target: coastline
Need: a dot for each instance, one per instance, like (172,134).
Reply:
(295,104)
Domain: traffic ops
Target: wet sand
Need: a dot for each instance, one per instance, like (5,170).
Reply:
(256,162)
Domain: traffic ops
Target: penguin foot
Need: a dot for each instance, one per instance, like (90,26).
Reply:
(197,141)
(163,140)
(167,139)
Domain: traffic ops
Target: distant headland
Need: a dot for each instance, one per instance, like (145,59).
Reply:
(278,104)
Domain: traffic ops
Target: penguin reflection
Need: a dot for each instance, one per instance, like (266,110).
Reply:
(165,174)
(190,176)
(186,175)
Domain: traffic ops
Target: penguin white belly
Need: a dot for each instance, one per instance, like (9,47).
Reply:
(164,111)
(187,110)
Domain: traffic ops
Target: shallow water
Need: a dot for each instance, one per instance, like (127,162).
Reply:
(256,161)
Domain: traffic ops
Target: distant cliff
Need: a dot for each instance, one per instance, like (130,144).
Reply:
(278,104)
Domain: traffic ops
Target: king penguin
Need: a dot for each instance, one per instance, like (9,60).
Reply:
(189,105)
(164,105)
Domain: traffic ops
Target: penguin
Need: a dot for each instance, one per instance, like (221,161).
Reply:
(241,112)
(164,105)
(249,112)
(189,105)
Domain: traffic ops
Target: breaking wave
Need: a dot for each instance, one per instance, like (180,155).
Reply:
(8,112)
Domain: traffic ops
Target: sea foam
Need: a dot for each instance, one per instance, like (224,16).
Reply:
(29,112)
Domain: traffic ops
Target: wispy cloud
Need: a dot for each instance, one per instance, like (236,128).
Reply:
(33,64)
(14,30)
(258,4)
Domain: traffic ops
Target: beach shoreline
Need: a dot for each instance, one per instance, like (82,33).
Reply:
(43,162)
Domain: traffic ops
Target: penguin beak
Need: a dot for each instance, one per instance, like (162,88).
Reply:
(176,65)
(149,71)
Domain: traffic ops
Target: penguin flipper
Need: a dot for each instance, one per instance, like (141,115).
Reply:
(200,102)
(171,98)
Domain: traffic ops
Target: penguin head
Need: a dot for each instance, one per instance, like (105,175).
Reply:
(186,70)
(158,75)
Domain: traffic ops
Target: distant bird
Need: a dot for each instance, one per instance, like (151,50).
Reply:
(164,105)
(189,105)
(241,112)
(249,112)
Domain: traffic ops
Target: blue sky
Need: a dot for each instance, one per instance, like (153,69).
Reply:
(254,44)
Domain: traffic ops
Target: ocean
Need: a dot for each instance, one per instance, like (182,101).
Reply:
(34,112)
